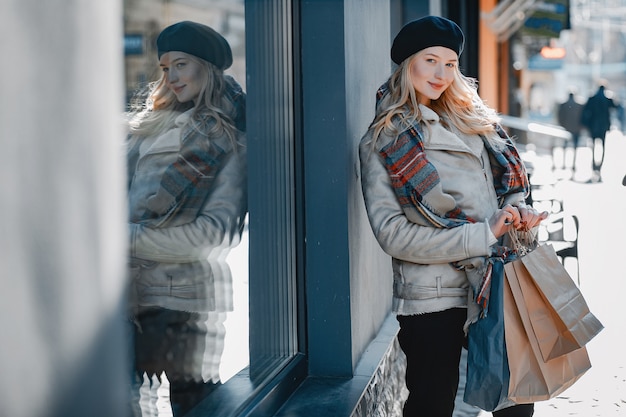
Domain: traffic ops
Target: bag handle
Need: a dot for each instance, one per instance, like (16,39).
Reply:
(523,241)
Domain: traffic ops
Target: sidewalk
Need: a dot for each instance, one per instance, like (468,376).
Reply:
(600,208)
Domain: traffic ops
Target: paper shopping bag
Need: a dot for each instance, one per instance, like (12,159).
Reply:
(531,378)
(487,382)
(559,314)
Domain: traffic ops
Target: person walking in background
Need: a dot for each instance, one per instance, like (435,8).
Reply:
(569,117)
(621,116)
(596,118)
(442,182)
(187,201)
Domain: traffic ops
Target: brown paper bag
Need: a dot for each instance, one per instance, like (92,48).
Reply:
(532,379)
(559,314)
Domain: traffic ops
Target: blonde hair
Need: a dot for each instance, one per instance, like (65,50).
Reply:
(161,107)
(459,105)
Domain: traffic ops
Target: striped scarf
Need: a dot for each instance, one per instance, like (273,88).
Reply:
(413,176)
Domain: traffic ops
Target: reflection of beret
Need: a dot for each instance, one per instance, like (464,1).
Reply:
(197,40)
(424,33)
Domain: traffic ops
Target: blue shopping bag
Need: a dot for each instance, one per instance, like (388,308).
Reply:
(488,373)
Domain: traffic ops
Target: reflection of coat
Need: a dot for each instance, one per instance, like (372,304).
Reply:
(424,279)
(173,265)
(596,116)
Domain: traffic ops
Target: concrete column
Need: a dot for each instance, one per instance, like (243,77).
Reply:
(62,209)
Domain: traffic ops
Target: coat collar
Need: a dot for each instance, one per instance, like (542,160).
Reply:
(440,137)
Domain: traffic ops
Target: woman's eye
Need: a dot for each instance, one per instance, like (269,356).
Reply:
(180,65)
(165,70)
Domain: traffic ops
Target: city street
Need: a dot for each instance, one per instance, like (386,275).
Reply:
(600,206)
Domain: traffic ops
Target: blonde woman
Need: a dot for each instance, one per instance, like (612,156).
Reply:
(187,203)
(442,183)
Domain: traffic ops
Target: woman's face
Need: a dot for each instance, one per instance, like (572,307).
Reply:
(184,75)
(432,71)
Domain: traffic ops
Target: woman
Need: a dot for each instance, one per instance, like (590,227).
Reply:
(187,204)
(442,183)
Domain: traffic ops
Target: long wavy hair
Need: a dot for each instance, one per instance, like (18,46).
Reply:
(459,105)
(213,116)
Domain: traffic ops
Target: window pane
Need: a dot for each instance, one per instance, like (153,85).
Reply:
(188,266)
(273,143)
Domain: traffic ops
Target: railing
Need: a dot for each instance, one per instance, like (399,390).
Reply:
(535,127)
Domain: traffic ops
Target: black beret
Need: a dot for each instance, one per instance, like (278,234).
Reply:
(424,33)
(197,40)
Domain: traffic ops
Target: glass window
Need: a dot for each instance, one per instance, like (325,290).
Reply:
(188,273)
(233,325)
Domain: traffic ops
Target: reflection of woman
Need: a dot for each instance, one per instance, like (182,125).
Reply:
(442,183)
(187,203)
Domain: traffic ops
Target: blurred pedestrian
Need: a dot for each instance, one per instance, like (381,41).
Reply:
(621,116)
(187,203)
(442,183)
(596,118)
(569,117)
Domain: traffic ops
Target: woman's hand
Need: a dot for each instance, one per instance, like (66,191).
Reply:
(503,219)
(530,217)
(522,217)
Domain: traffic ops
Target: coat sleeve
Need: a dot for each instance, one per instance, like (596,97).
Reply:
(514,199)
(219,225)
(408,241)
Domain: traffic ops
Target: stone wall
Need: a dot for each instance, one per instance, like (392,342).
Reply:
(386,391)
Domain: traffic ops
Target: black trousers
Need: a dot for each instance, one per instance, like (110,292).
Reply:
(432,344)
(173,342)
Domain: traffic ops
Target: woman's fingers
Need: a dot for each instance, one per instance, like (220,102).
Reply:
(530,217)
(502,220)
(514,217)
(522,218)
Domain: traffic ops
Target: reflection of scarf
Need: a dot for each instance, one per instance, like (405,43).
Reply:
(185,184)
(413,179)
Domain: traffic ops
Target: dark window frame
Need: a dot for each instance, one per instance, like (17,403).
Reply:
(278,349)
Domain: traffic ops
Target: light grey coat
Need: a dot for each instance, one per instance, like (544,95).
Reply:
(423,279)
